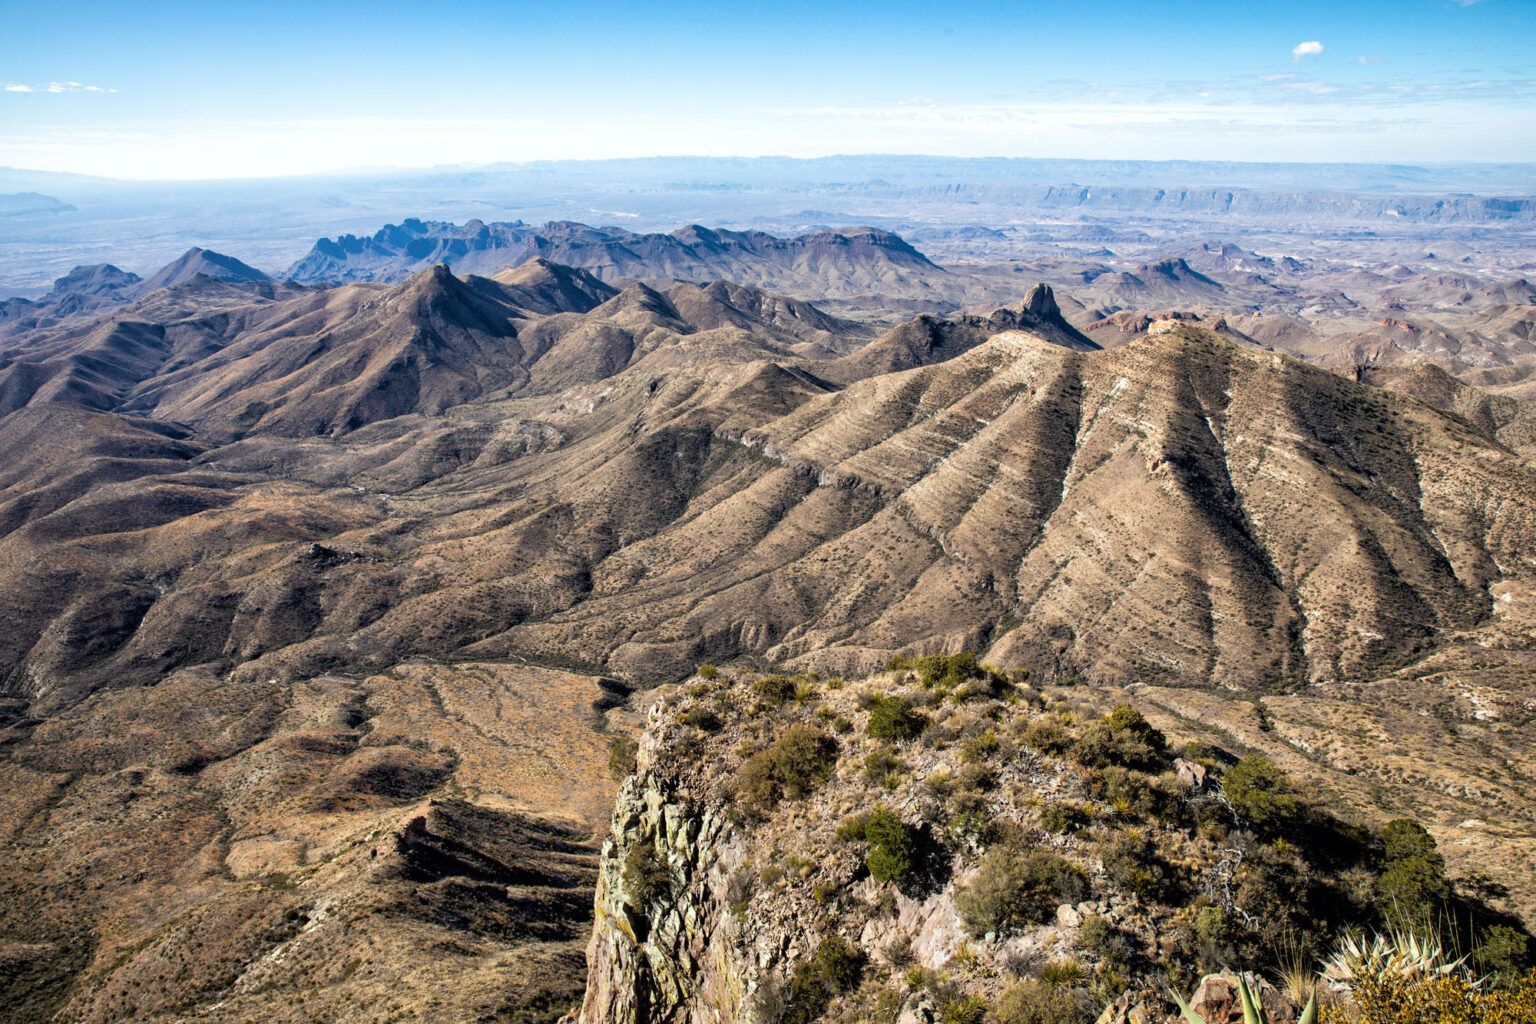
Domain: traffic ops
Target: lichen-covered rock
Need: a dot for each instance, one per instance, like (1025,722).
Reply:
(1217,1000)
(672,957)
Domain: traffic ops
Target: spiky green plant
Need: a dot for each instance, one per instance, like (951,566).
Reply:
(1253,1010)
(1396,956)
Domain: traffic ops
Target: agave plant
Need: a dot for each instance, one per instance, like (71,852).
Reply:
(1253,1010)
(1395,957)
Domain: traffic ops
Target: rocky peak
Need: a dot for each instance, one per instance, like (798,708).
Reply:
(1041,301)
(94,279)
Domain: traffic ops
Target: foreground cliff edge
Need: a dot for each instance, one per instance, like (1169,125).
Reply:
(946,842)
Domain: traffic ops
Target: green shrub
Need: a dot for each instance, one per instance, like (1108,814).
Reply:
(1101,938)
(1412,885)
(895,849)
(945,671)
(969,821)
(1283,895)
(880,765)
(621,755)
(851,828)
(1063,818)
(979,748)
(887,1007)
(920,978)
(708,671)
(892,718)
(1216,938)
(799,760)
(1013,889)
(1048,735)
(978,777)
(1064,973)
(1132,862)
(1260,792)
(646,875)
(1504,953)
(963,1010)
(774,690)
(1133,794)
(701,718)
(835,968)
(1122,737)
(1035,1002)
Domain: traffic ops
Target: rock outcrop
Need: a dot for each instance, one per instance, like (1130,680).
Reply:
(668,952)
(936,839)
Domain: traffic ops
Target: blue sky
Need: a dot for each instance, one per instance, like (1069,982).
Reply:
(153,90)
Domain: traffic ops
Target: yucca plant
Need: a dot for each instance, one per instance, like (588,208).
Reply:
(1253,1010)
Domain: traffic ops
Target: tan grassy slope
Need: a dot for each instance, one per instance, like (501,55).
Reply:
(411,843)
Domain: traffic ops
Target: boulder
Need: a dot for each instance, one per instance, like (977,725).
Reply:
(1190,774)
(1218,1001)
(1128,1009)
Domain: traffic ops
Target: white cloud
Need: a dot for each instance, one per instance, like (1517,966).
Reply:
(58,87)
(1366,61)
(1309,48)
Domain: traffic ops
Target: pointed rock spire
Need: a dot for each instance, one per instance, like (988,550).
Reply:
(1041,301)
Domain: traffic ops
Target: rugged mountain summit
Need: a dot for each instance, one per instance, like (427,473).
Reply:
(540,286)
(83,289)
(97,279)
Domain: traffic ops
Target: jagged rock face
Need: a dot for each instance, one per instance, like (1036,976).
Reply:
(672,958)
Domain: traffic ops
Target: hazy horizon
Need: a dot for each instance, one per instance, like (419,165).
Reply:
(462,167)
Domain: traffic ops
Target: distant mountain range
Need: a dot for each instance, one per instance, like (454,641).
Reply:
(954,209)
(22,204)
(857,261)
